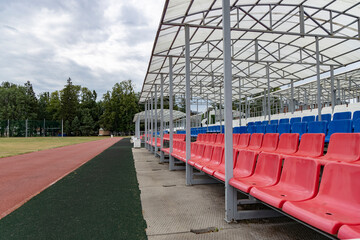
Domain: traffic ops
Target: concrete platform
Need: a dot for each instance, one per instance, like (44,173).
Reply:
(172,209)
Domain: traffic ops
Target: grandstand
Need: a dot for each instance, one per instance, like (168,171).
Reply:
(292,69)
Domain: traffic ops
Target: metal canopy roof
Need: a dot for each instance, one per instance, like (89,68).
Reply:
(281,33)
(166,112)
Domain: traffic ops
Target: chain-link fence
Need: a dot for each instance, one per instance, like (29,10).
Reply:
(30,128)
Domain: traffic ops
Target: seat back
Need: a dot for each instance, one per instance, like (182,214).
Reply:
(194,148)
(284,128)
(356,124)
(250,123)
(236,139)
(301,174)
(207,153)
(256,141)
(299,128)
(317,127)
(266,122)
(260,129)
(324,117)
(244,140)
(339,185)
(258,123)
(272,128)
(219,139)
(200,150)
(217,155)
(342,115)
(295,120)
(275,121)
(268,166)
(308,119)
(284,120)
(356,115)
(251,129)
(311,145)
(340,126)
(245,163)
(344,147)
(288,143)
(270,142)
(211,138)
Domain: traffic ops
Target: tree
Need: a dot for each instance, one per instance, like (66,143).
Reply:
(31,102)
(43,103)
(87,123)
(75,126)
(54,106)
(69,99)
(67,127)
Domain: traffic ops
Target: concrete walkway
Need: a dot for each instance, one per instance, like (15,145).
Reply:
(172,209)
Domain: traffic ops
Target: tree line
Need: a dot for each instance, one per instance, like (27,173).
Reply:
(77,106)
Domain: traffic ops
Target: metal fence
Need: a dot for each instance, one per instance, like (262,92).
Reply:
(30,128)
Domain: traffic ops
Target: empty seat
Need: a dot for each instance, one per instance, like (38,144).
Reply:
(251,129)
(356,115)
(295,120)
(343,147)
(356,125)
(260,129)
(284,120)
(198,154)
(349,232)
(266,122)
(275,121)
(298,182)
(241,129)
(250,123)
(219,172)
(257,123)
(308,119)
(269,143)
(206,156)
(215,160)
(337,203)
(324,117)
(342,115)
(299,127)
(339,126)
(272,128)
(245,164)
(288,143)
(317,127)
(311,145)
(236,139)
(243,141)
(284,128)
(219,139)
(255,141)
(267,173)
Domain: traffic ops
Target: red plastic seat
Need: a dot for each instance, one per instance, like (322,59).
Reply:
(270,143)
(210,138)
(198,154)
(205,157)
(342,147)
(245,163)
(236,139)
(219,172)
(243,141)
(180,151)
(267,173)
(255,141)
(337,203)
(349,232)
(298,182)
(288,143)
(311,145)
(219,139)
(216,159)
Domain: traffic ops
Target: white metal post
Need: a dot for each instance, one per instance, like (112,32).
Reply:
(156,121)
(318,77)
(187,92)
(268,90)
(62,127)
(230,200)
(292,97)
(240,101)
(220,113)
(152,121)
(162,118)
(146,124)
(171,122)
(332,89)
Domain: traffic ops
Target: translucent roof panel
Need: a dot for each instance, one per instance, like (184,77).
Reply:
(166,112)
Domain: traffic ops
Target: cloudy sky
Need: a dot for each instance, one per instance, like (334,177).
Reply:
(96,43)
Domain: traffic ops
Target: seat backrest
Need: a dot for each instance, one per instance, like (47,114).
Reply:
(217,155)
(340,126)
(268,166)
(176,145)
(265,122)
(272,128)
(256,141)
(275,121)
(211,138)
(308,119)
(295,119)
(270,142)
(317,127)
(356,115)
(324,117)
(251,129)
(260,129)
(356,124)
(342,115)
(284,120)
(244,140)
(311,145)
(299,128)
(250,123)
(339,186)
(344,147)
(236,139)
(219,139)
(194,148)
(245,163)
(284,128)
(288,143)
(207,152)
(243,129)
(200,150)
(302,174)
(258,123)
(199,137)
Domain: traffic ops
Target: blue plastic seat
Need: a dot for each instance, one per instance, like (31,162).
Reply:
(251,129)
(258,123)
(342,115)
(284,120)
(339,126)
(241,129)
(324,117)
(260,129)
(295,120)
(274,122)
(308,119)
(356,115)
(272,128)
(299,128)
(356,125)
(317,127)
(250,123)
(266,122)
(284,128)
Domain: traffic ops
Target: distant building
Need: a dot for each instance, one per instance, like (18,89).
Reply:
(103,132)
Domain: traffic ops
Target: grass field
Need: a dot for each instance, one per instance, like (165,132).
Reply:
(16,146)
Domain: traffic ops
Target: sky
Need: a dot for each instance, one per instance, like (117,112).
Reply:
(95,43)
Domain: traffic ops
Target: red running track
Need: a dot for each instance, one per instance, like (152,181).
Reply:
(24,176)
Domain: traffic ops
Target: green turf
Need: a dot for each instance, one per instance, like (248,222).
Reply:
(100,200)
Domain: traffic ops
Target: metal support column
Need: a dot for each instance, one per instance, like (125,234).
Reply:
(318,77)
(220,113)
(152,121)
(146,125)
(292,97)
(187,92)
(156,122)
(62,127)
(230,192)
(208,112)
(162,118)
(332,89)
(240,101)
(171,118)
(268,90)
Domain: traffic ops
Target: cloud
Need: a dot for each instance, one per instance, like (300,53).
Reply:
(96,43)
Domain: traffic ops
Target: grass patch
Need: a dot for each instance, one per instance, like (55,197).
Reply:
(100,200)
(19,145)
